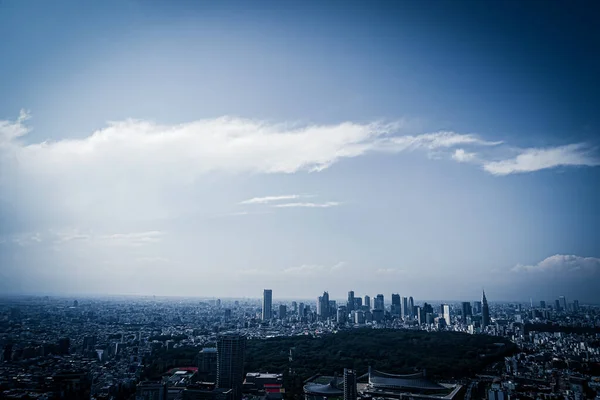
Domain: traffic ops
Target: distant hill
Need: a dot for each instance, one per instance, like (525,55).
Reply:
(442,354)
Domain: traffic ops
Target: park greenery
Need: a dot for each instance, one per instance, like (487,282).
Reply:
(442,354)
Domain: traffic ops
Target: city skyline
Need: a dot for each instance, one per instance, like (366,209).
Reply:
(213,150)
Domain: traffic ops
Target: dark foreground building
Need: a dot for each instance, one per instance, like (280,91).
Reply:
(230,363)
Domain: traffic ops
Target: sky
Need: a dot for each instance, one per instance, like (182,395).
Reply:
(426,148)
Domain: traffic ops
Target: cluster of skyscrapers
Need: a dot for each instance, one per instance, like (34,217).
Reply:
(359,310)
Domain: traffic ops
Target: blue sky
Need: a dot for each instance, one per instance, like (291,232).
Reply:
(214,149)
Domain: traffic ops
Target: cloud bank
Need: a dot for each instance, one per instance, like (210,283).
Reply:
(531,160)
(562,264)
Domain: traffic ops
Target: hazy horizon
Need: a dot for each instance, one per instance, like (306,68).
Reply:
(216,149)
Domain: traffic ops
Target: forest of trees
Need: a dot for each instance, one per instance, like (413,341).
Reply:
(442,354)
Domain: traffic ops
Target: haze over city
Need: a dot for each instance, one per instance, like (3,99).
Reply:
(216,149)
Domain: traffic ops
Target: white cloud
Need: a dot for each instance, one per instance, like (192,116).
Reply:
(561,263)
(270,199)
(461,155)
(132,239)
(308,205)
(537,159)
(390,271)
(314,269)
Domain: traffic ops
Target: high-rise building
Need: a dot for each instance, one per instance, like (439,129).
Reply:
(563,301)
(350,392)
(557,305)
(323,306)
(350,303)
(379,303)
(267,308)
(294,307)
(404,311)
(342,314)
(396,308)
(445,308)
(357,303)
(419,313)
(332,308)
(301,310)
(542,304)
(230,363)
(477,307)
(368,302)
(575,306)
(411,307)
(485,311)
(466,311)
(282,311)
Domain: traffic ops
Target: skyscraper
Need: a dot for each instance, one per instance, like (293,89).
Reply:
(282,311)
(350,304)
(411,307)
(301,310)
(230,363)
(350,392)
(563,301)
(267,308)
(368,301)
(485,311)
(323,306)
(466,311)
(404,308)
(445,308)
(542,304)
(379,303)
(396,308)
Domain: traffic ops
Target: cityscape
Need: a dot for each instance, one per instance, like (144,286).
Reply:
(300,200)
(184,348)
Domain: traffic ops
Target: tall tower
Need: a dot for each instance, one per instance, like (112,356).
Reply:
(323,303)
(368,302)
(404,308)
(485,311)
(267,308)
(350,304)
(230,363)
(350,392)
(446,313)
(411,306)
(396,307)
(379,303)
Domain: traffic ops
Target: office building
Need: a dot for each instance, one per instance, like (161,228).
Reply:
(368,302)
(466,311)
(207,364)
(342,314)
(396,308)
(411,307)
(300,310)
(557,305)
(445,309)
(282,311)
(294,307)
(350,303)
(323,306)
(485,311)
(379,302)
(267,308)
(563,301)
(477,307)
(542,304)
(230,363)
(575,306)
(404,310)
(350,392)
